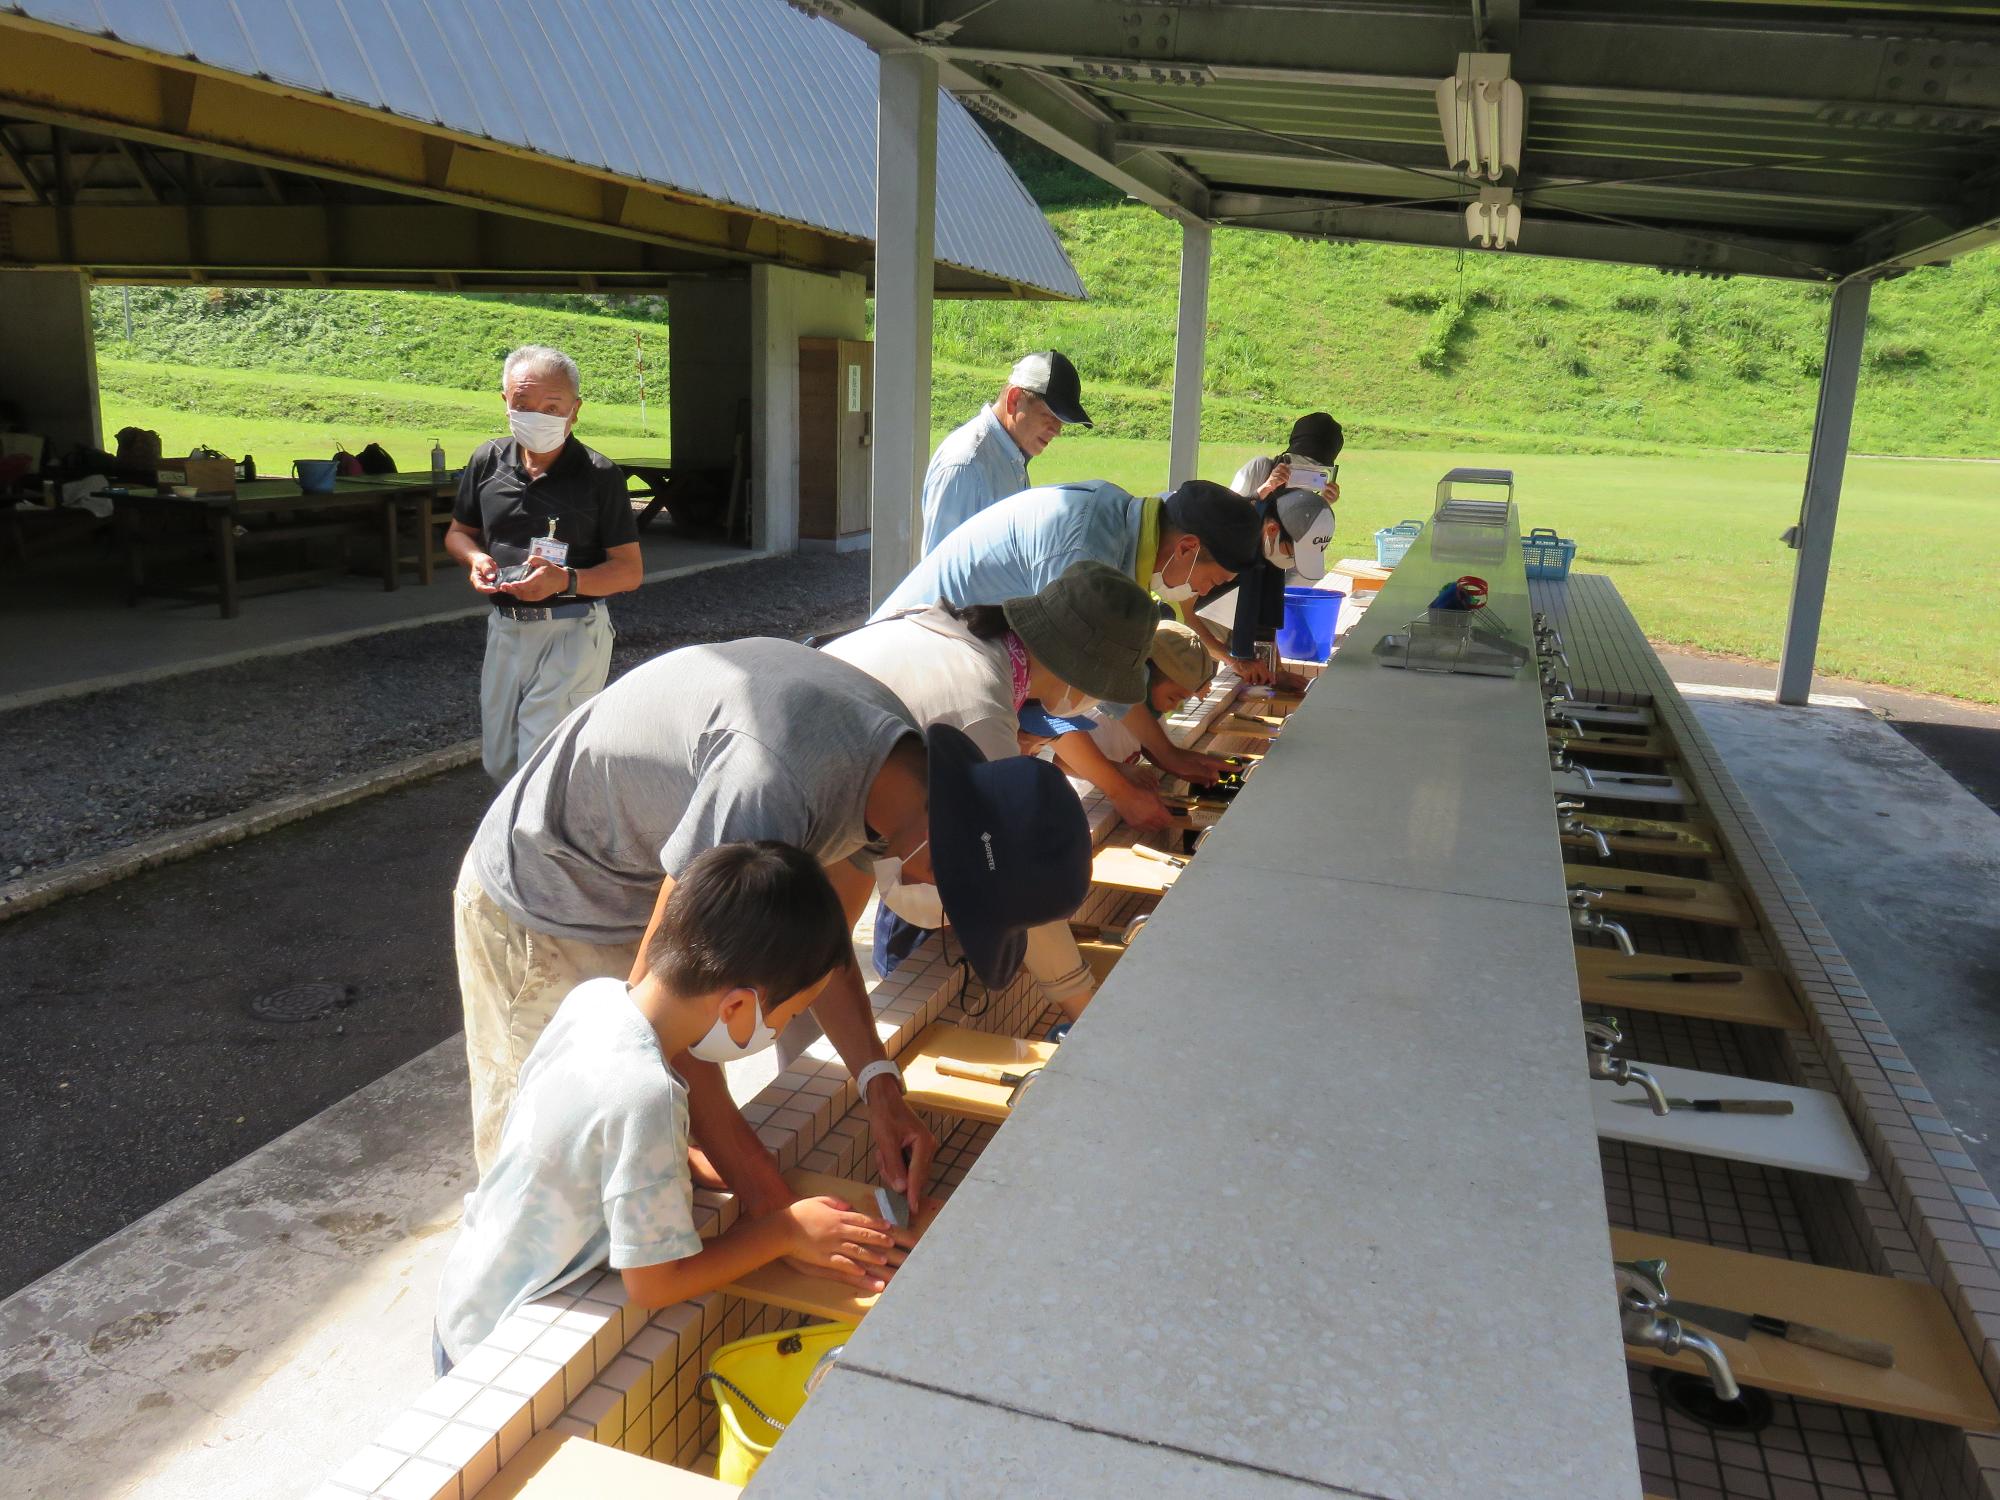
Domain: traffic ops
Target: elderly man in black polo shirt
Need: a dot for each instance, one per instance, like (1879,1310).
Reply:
(545,530)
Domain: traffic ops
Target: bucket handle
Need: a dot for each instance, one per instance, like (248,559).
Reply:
(1547,531)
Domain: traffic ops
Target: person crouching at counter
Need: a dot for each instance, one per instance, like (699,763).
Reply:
(593,1161)
(1082,638)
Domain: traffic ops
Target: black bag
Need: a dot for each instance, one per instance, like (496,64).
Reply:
(375,460)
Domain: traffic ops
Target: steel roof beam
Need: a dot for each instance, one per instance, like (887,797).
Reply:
(1668,248)
(1926,239)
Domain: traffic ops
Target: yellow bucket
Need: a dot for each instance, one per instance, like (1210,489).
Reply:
(765,1378)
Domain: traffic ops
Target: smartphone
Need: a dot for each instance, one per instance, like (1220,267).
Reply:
(516,573)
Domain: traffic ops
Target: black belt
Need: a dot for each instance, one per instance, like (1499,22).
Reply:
(574,611)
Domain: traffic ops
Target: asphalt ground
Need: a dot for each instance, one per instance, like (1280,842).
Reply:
(132,1067)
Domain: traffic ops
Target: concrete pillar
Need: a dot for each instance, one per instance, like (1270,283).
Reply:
(786,306)
(1190,351)
(905,227)
(48,358)
(1825,468)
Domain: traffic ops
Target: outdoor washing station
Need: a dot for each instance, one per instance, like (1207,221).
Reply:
(1351,1179)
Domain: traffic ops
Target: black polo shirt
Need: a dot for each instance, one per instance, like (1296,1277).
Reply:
(583,492)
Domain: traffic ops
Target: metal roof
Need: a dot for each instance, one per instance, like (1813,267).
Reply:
(1810,138)
(745,103)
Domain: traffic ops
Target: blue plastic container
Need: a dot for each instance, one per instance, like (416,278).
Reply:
(1546,554)
(1391,542)
(1310,617)
(315,475)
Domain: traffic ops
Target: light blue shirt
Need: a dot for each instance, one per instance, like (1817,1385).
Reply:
(593,1165)
(1023,544)
(973,467)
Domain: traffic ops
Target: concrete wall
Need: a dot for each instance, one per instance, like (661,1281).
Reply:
(48,362)
(732,341)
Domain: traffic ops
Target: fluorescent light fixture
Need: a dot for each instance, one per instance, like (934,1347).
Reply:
(1494,222)
(1481,111)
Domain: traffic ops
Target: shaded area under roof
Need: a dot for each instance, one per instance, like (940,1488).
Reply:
(747,104)
(1813,139)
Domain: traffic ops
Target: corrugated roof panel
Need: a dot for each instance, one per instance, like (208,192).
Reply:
(743,102)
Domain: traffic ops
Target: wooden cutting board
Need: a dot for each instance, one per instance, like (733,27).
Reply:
(1650,836)
(1761,998)
(1816,1137)
(1617,786)
(561,1466)
(1708,901)
(1647,747)
(1119,869)
(1935,1378)
(782,1286)
(969,1098)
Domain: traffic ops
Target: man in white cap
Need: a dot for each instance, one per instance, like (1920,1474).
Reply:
(987,458)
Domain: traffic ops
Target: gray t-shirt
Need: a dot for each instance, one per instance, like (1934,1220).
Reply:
(708,745)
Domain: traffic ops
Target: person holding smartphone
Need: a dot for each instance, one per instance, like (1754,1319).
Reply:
(543,527)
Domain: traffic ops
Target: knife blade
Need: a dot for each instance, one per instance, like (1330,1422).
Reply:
(1683,976)
(1740,1325)
(1622,779)
(1658,892)
(895,1208)
(1722,1106)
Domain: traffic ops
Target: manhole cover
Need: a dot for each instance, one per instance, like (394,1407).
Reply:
(301,1002)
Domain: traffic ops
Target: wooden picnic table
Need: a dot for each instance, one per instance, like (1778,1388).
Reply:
(656,477)
(266,511)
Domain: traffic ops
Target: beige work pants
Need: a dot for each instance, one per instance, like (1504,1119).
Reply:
(511,980)
(536,673)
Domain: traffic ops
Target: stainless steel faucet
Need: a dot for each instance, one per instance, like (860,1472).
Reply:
(1600,1035)
(1559,761)
(1583,919)
(1554,686)
(825,1364)
(1561,720)
(1646,1321)
(1132,928)
(1571,828)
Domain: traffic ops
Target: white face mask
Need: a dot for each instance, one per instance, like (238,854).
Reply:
(1276,553)
(537,431)
(718,1046)
(1174,593)
(1069,705)
(919,905)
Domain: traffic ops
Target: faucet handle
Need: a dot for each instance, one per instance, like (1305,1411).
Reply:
(1643,1279)
(1603,1032)
(1570,805)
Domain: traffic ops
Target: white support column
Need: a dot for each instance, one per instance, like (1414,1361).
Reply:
(905,225)
(1825,468)
(1190,352)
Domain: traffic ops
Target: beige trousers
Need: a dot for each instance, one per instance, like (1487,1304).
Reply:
(536,672)
(511,979)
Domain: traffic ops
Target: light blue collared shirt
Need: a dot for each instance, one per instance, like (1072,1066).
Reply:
(973,467)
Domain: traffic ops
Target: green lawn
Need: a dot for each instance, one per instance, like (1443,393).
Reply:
(1689,537)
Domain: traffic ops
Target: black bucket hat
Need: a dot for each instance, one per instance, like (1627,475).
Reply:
(1010,847)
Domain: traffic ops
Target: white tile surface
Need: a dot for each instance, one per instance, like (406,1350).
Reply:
(860,1435)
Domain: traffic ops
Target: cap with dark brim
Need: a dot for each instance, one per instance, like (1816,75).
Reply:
(1220,519)
(1010,847)
(1052,377)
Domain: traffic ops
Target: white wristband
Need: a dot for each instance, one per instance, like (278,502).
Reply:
(881,1067)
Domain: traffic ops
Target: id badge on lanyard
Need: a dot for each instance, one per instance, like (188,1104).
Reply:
(547,546)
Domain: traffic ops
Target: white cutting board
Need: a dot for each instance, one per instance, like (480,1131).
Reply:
(1609,788)
(1632,715)
(1815,1137)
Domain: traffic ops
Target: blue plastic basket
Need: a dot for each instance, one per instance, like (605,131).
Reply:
(1391,542)
(1546,554)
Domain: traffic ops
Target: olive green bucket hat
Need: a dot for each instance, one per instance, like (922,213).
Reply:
(1092,627)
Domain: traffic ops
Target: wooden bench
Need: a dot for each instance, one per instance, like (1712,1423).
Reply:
(559,1466)
(1642,894)
(781,1286)
(943,1045)
(1760,997)
(1935,1378)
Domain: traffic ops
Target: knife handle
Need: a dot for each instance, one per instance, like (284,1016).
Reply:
(1846,1345)
(975,1072)
(1753,1106)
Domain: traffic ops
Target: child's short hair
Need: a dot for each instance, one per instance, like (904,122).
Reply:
(760,915)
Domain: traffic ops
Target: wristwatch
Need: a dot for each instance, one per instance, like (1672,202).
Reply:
(572,579)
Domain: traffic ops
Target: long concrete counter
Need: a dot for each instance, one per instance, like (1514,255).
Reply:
(1310,1199)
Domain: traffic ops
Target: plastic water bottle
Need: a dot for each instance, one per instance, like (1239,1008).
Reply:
(437,459)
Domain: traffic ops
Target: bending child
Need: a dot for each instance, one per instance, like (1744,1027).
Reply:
(593,1159)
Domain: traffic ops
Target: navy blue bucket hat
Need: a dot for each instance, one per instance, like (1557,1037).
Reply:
(1010,847)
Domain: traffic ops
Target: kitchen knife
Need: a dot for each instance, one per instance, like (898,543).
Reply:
(981,1073)
(1738,1325)
(1658,892)
(1723,1106)
(1623,779)
(1158,856)
(894,1207)
(1683,976)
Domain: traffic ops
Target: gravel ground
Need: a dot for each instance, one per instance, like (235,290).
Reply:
(86,775)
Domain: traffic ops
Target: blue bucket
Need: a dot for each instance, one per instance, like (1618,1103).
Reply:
(1310,617)
(315,475)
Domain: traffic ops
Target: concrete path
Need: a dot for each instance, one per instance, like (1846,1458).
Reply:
(1903,864)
